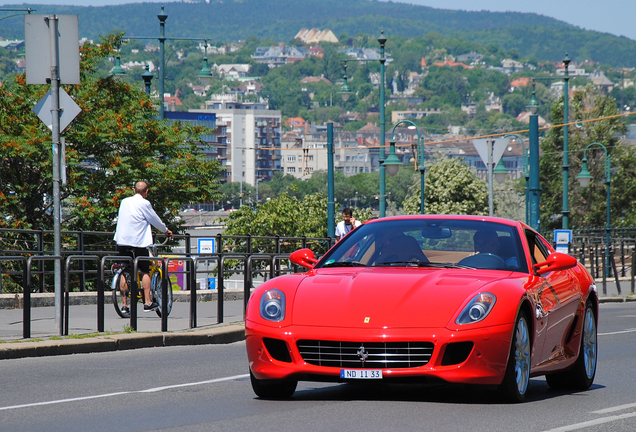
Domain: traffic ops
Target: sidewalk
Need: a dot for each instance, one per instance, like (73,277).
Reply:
(45,341)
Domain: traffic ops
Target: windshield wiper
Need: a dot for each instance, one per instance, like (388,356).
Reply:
(444,265)
(345,264)
(401,263)
(423,264)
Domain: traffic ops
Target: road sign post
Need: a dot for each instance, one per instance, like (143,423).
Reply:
(43,39)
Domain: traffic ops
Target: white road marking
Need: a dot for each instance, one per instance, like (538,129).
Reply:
(578,426)
(618,332)
(106,395)
(616,408)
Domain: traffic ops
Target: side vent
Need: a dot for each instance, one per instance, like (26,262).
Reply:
(277,349)
(456,353)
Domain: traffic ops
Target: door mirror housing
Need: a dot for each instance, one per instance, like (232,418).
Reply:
(554,262)
(304,258)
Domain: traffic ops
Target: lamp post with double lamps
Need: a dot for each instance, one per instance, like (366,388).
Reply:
(204,75)
(585,177)
(524,162)
(420,156)
(345,93)
(565,212)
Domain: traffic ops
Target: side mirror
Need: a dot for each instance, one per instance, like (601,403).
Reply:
(555,261)
(304,258)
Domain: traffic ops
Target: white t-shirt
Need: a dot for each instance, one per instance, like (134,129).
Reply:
(342,229)
(133,223)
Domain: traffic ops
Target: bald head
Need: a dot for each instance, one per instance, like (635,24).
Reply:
(141,188)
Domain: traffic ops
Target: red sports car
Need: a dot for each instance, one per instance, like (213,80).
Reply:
(461,299)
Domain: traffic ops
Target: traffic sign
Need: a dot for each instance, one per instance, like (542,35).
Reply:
(68,110)
(483,147)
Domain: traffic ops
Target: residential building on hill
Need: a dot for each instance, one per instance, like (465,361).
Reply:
(279,55)
(315,36)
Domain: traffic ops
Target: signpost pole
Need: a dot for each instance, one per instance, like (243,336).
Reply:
(55,126)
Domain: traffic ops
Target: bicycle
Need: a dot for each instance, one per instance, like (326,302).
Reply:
(121,289)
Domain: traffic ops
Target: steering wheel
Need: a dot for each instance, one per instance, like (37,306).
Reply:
(484,261)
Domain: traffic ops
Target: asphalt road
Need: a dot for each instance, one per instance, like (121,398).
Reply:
(206,388)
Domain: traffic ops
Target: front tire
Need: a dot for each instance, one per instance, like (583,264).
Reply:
(517,376)
(272,389)
(155,284)
(581,376)
(121,291)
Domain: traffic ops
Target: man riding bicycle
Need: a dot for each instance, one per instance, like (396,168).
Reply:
(133,235)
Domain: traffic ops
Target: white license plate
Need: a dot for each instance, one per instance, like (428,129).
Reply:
(361,373)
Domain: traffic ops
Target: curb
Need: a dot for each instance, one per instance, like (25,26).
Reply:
(119,342)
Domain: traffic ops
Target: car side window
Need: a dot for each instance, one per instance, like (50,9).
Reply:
(538,251)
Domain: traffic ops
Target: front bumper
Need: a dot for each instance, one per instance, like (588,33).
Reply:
(485,364)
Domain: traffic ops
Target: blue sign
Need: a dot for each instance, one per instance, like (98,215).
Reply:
(206,246)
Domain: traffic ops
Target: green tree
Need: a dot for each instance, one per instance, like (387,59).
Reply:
(114,141)
(450,187)
(585,205)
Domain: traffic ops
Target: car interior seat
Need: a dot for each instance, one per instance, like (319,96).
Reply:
(401,248)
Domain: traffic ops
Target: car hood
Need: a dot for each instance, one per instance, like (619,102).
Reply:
(385,297)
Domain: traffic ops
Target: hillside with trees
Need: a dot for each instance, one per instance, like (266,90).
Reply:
(279,20)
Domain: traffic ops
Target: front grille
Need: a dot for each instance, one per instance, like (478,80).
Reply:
(381,355)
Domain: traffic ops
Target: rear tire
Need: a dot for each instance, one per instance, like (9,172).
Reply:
(515,383)
(155,284)
(273,389)
(120,292)
(581,376)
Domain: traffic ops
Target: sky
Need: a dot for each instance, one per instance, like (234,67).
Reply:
(608,16)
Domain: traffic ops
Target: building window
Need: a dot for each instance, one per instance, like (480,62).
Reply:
(291,158)
(291,169)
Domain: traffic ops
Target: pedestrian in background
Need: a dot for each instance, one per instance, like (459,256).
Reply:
(347,224)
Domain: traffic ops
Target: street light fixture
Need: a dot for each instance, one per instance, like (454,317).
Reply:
(500,172)
(585,177)
(118,71)
(392,162)
(205,75)
(147,77)
(345,91)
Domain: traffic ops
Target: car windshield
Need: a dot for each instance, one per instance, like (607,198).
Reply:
(436,243)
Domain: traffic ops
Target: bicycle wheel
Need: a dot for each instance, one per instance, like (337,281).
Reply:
(155,284)
(121,293)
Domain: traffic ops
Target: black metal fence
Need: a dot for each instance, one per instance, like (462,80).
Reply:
(27,266)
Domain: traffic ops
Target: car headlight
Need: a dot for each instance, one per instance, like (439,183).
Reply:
(477,309)
(273,305)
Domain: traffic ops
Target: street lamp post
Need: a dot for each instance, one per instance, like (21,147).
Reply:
(331,207)
(585,177)
(345,93)
(420,156)
(534,190)
(566,166)
(524,168)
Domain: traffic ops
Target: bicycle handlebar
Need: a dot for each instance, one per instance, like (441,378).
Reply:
(160,244)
